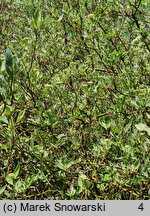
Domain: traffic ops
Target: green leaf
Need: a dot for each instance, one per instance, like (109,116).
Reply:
(16,171)
(20,186)
(9,62)
(2,78)
(3,119)
(143,127)
(3,66)
(37,18)
(107,177)
(148,115)
(20,116)
(30,179)
(10,178)
(106,126)
(80,182)
(33,27)
(72,191)
(3,189)
(8,57)
(60,165)
(69,164)
(60,18)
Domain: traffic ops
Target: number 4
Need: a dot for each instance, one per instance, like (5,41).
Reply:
(141,207)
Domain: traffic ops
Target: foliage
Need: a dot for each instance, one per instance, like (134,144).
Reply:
(74,99)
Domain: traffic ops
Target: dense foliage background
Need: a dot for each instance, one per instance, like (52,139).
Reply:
(74,99)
